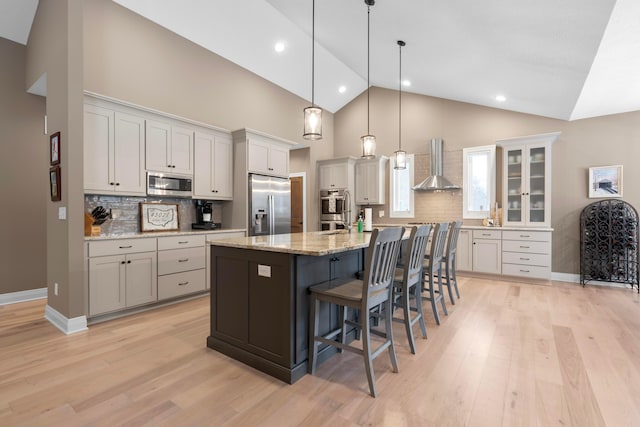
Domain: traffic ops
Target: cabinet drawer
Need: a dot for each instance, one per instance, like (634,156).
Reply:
(533,236)
(120,247)
(174,285)
(177,260)
(179,242)
(543,260)
(487,234)
(533,271)
(526,247)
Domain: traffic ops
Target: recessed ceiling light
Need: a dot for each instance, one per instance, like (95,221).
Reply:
(279,47)
(501,98)
(406,83)
(342,89)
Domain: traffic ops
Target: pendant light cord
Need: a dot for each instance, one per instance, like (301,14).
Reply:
(313,53)
(368,66)
(400,103)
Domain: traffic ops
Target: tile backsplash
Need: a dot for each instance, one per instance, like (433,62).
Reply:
(125,212)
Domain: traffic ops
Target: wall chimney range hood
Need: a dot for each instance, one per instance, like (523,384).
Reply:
(435,181)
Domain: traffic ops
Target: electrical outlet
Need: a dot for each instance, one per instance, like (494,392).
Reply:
(381,214)
(55,289)
(62,212)
(115,213)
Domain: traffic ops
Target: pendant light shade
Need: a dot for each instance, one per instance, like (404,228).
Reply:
(313,114)
(401,156)
(368,140)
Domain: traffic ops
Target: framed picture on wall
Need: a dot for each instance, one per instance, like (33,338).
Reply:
(605,181)
(159,217)
(54,184)
(54,149)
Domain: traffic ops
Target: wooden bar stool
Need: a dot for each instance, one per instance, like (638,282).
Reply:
(362,295)
(433,269)
(449,259)
(408,282)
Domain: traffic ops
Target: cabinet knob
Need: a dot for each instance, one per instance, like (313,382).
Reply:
(129,262)
(112,183)
(117,183)
(122,262)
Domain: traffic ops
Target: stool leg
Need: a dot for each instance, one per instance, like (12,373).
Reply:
(448,275)
(313,332)
(343,318)
(407,319)
(388,329)
(366,353)
(432,297)
(453,272)
(418,297)
(444,307)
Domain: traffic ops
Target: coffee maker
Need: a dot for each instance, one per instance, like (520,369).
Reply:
(204,216)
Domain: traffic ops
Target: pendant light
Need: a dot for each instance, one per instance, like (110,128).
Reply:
(313,114)
(401,156)
(368,140)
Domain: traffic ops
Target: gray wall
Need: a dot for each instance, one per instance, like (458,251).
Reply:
(23,173)
(608,140)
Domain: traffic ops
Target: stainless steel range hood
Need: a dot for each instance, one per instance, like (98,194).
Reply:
(435,181)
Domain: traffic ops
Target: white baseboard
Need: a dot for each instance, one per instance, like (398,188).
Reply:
(67,326)
(22,296)
(575,278)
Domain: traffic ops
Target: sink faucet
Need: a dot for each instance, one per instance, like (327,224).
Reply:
(346,211)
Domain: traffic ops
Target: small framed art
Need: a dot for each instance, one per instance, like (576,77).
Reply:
(159,217)
(54,184)
(605,181)
(54,149)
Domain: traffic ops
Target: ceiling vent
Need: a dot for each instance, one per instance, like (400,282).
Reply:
(435,181)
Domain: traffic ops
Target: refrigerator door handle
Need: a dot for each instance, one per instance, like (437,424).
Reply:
(272,213)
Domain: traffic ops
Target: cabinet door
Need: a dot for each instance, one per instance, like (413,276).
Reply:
(158,146)
(324,176)
(279,161)
(487,256)
(182,150)
(464,251)
(203,185)
(98,148)
(515,185)
(366,183)
(258,156)
(538,185)
(223,168)
(142,278)
(107,284)
(129,154)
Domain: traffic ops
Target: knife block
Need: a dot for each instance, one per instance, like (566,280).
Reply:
(90,230)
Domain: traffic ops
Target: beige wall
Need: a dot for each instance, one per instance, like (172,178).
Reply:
(23,172)
(130,58)
(55,48)
(608,140)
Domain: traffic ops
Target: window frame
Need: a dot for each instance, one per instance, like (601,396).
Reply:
(491,167)
(392,181)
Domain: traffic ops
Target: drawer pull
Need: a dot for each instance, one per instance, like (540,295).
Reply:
(524,247)
(183,283)
(525,271)
(525,259)
(126,247)
(184,242)
(486,234)
(525,235)
(183,260)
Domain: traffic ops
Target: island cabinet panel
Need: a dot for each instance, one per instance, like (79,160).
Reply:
(260,305)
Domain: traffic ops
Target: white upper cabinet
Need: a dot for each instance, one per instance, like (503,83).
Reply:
(526,175)
(267,157)
(213,167)
(334,175)
(114,150)
(169,148)
(370,181)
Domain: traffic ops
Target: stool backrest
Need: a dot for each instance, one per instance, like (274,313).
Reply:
(438,241)
(380,264)
(414,255)
(452,240)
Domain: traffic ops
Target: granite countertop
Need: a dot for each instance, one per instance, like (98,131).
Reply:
(315,243)
(162,234)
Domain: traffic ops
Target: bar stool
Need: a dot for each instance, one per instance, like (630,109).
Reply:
(449,259)
(362,295)
(433,268)
(408,282)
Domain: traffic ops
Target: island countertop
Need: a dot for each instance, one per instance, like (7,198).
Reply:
(315,243)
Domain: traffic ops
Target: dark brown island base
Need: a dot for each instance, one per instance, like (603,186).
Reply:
(259,297)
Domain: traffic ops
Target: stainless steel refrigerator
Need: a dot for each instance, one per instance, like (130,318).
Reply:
(269,205)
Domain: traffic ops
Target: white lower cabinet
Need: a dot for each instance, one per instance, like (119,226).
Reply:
(526,254)
(464,251)
(487,251)
(120,277)
(181,265)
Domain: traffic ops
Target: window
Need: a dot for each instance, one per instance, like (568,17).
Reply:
(400,190)
(479,176)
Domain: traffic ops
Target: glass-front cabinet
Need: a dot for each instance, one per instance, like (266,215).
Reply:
(526,191)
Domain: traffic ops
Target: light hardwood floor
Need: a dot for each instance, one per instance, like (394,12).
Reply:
(507,354)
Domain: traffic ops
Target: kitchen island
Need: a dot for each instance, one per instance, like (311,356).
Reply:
(259,295)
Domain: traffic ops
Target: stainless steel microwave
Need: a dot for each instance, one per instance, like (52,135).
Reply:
(164,184)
